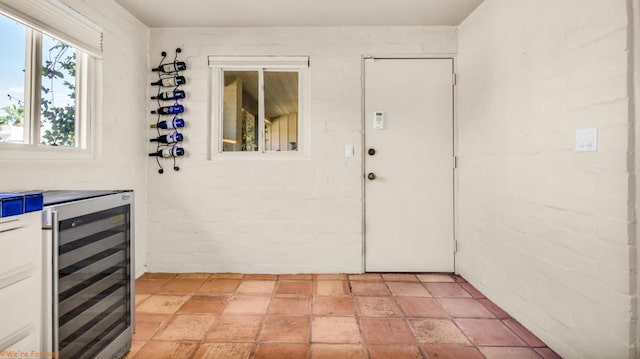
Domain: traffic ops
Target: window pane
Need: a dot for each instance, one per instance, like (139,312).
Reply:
(240,111)
(12,61)
(58,96)
(281,111)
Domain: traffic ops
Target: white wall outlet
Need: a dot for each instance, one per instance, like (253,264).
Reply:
(586,140)
(348,151)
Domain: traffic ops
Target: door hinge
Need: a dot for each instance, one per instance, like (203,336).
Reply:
(455,246)
(455,162)
(455,79)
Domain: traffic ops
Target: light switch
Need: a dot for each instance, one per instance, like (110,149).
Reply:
(586,139)
(348,151)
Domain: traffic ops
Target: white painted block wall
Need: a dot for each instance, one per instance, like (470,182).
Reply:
(543,231)
(635,16)
(273,216)
(119,161)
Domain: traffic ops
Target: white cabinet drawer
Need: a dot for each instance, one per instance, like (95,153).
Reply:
(11,223)
(19,308)
(19,242)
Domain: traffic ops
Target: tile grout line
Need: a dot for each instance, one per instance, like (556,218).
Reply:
(356,311)
(314,288)
(476,346)
(212,324)
(405,319)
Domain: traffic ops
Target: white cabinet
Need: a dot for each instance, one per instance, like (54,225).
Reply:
(21,284)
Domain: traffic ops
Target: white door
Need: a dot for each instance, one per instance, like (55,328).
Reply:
(409,178)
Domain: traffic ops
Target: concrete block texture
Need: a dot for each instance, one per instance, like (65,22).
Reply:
(270,215)
(544,231)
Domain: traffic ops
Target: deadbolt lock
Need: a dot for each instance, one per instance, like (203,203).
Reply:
(371,151)
(371,176)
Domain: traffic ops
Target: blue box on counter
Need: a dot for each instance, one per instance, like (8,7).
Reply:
(33,202)
(17,203)
(11,204)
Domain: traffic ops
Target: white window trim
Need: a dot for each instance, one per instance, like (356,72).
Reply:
(58,20)
(218,64)
(86,104)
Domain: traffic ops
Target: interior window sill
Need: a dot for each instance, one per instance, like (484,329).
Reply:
(16,151)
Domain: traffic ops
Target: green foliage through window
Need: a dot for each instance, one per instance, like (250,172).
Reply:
(58,120)
(13,114)
(57,110)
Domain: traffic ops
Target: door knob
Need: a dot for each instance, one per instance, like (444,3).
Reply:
(371,151)
(371,176)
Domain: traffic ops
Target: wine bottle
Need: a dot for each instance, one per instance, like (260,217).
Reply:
(170,81)
(168,125)
(170,138)
(170,95)
(171,67)
(168,152)
(169,110)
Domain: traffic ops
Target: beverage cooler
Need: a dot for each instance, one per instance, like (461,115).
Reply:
(89,312)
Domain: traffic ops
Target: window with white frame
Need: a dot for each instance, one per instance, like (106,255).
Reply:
(45,96)
(259,104)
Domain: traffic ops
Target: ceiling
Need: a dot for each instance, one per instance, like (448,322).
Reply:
(248,13)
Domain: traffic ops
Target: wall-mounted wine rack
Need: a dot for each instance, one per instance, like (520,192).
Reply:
(168,123)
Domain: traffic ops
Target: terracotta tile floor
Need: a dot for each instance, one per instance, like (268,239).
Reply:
(333,316)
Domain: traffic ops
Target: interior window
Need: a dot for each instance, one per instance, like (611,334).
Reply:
(260,105)
(240,112)
(281,110)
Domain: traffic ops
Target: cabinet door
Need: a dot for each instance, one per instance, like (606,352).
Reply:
(21,283)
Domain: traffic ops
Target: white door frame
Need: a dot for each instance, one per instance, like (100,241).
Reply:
(363,59)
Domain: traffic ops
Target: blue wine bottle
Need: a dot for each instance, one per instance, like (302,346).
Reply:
(168,125)
(169,110)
